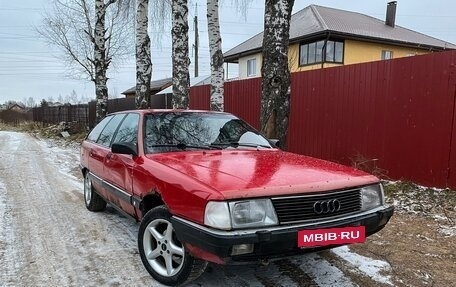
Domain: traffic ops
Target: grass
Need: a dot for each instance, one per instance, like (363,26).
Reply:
(412,198)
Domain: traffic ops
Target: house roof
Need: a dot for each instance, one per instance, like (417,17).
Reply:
(196,81)
(155,86)
(15,105)
(314,21)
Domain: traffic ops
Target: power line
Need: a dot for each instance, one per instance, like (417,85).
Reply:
(20,9)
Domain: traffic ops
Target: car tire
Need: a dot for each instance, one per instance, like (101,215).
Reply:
(164,257)
(93,201)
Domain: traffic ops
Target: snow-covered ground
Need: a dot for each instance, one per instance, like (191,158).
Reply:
(48,238)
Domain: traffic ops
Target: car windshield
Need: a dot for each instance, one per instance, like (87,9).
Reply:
(171,131)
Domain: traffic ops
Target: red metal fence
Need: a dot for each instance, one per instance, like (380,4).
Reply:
(241,98)
(399,115)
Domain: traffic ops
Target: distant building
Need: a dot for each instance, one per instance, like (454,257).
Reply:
(196,81)
(155,87)
(16,107)
(323,37)
(167,93)
(156,102)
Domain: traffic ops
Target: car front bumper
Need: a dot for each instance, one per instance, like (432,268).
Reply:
(278,241)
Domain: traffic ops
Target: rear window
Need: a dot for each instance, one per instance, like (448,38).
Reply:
(109,130)
(95,133)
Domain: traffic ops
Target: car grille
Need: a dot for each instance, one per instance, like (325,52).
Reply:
(292,209)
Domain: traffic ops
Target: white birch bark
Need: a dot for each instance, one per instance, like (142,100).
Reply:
(143,57)
(101,63)
(180,57)
(216,56)
(275,100)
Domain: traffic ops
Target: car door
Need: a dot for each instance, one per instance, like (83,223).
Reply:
(99,151)
(118,167)
(89,153)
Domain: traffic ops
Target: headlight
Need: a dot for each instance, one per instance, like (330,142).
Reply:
(372,196)
(240,214)
(217,215)
(253,213)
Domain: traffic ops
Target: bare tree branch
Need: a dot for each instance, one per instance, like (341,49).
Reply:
(90,34)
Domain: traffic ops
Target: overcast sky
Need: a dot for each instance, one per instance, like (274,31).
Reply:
(29,68)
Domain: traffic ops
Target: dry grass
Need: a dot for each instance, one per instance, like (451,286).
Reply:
(46,131)
(368,165)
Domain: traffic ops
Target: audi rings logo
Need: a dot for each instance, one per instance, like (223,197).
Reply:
(327,206)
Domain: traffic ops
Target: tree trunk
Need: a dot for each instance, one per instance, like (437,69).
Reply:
(275,101)
(181,60)
(101,63)
(215,47)
(143,58)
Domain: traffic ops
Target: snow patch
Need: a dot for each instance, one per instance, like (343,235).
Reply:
(371,267)
(7,252)
(448,231)
(439,217)
(12,141)
(3,207)
(323,272)
(420,187)
(65,157)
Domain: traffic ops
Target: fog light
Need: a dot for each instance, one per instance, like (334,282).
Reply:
(242,249)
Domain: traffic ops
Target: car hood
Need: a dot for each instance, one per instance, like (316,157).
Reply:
(257,173)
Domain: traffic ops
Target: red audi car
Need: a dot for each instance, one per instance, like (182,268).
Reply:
(207,187)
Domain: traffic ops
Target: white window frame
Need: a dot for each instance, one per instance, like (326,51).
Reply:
(251,66)
(387,54)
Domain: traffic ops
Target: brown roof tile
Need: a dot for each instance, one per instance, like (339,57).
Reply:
(318,20)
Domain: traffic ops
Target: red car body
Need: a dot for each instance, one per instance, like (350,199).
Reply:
(185,181)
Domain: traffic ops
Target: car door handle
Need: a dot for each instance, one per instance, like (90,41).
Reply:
(111,156)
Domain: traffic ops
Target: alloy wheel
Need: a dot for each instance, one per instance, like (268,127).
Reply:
(162,249)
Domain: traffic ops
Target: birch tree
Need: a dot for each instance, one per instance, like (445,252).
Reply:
(215,50)
(101,61)
(180,57)
(216,56)
(143,56)
(89,34)
(275,100)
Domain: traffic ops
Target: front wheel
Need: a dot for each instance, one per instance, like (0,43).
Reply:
(162,254)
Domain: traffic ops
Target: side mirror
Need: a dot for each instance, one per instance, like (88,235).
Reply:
(275,143)
(124,148)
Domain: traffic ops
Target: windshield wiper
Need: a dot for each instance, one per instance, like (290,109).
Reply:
(237,144)
(184,146)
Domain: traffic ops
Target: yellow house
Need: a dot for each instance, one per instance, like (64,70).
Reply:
(323,37)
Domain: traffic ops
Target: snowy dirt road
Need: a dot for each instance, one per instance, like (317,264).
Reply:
(48,238)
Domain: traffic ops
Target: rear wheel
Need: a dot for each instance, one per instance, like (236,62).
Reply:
(93,201)
(163,255)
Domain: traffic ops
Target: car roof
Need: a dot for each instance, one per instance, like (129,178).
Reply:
(152,111)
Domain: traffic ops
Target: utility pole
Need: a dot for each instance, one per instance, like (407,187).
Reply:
(195,46)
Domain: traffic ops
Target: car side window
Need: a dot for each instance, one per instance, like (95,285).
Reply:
(128,130)
(96,131)
(108,132)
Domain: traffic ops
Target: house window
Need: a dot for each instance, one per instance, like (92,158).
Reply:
(251,67)
(387,55)
(318,52)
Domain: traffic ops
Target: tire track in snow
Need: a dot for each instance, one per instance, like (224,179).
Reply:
(58,242)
